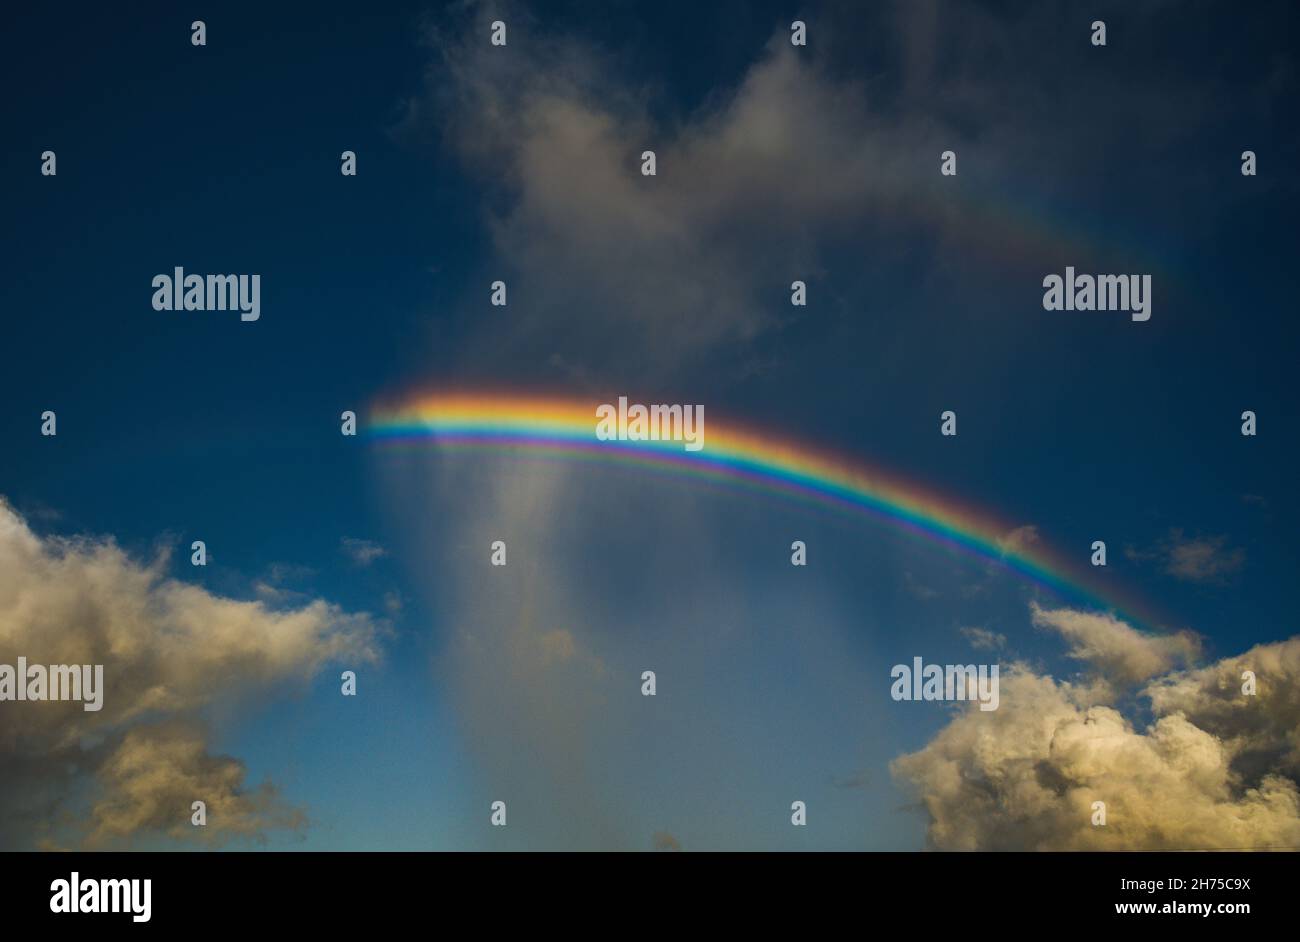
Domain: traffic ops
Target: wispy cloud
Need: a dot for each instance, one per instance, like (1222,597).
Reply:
(984,639)
(362,552)
(644,275)
(857,780)
(1019,539)
(638,277)
(917,589)
(1206,559)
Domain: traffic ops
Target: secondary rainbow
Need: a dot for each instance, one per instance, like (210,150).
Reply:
(733,456)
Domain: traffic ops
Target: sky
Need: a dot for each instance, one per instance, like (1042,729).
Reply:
(523,683)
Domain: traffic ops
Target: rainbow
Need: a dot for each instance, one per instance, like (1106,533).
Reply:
(733,456)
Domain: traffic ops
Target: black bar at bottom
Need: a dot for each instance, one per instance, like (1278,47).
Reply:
(647,892)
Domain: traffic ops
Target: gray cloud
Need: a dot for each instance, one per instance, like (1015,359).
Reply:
(646,275)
